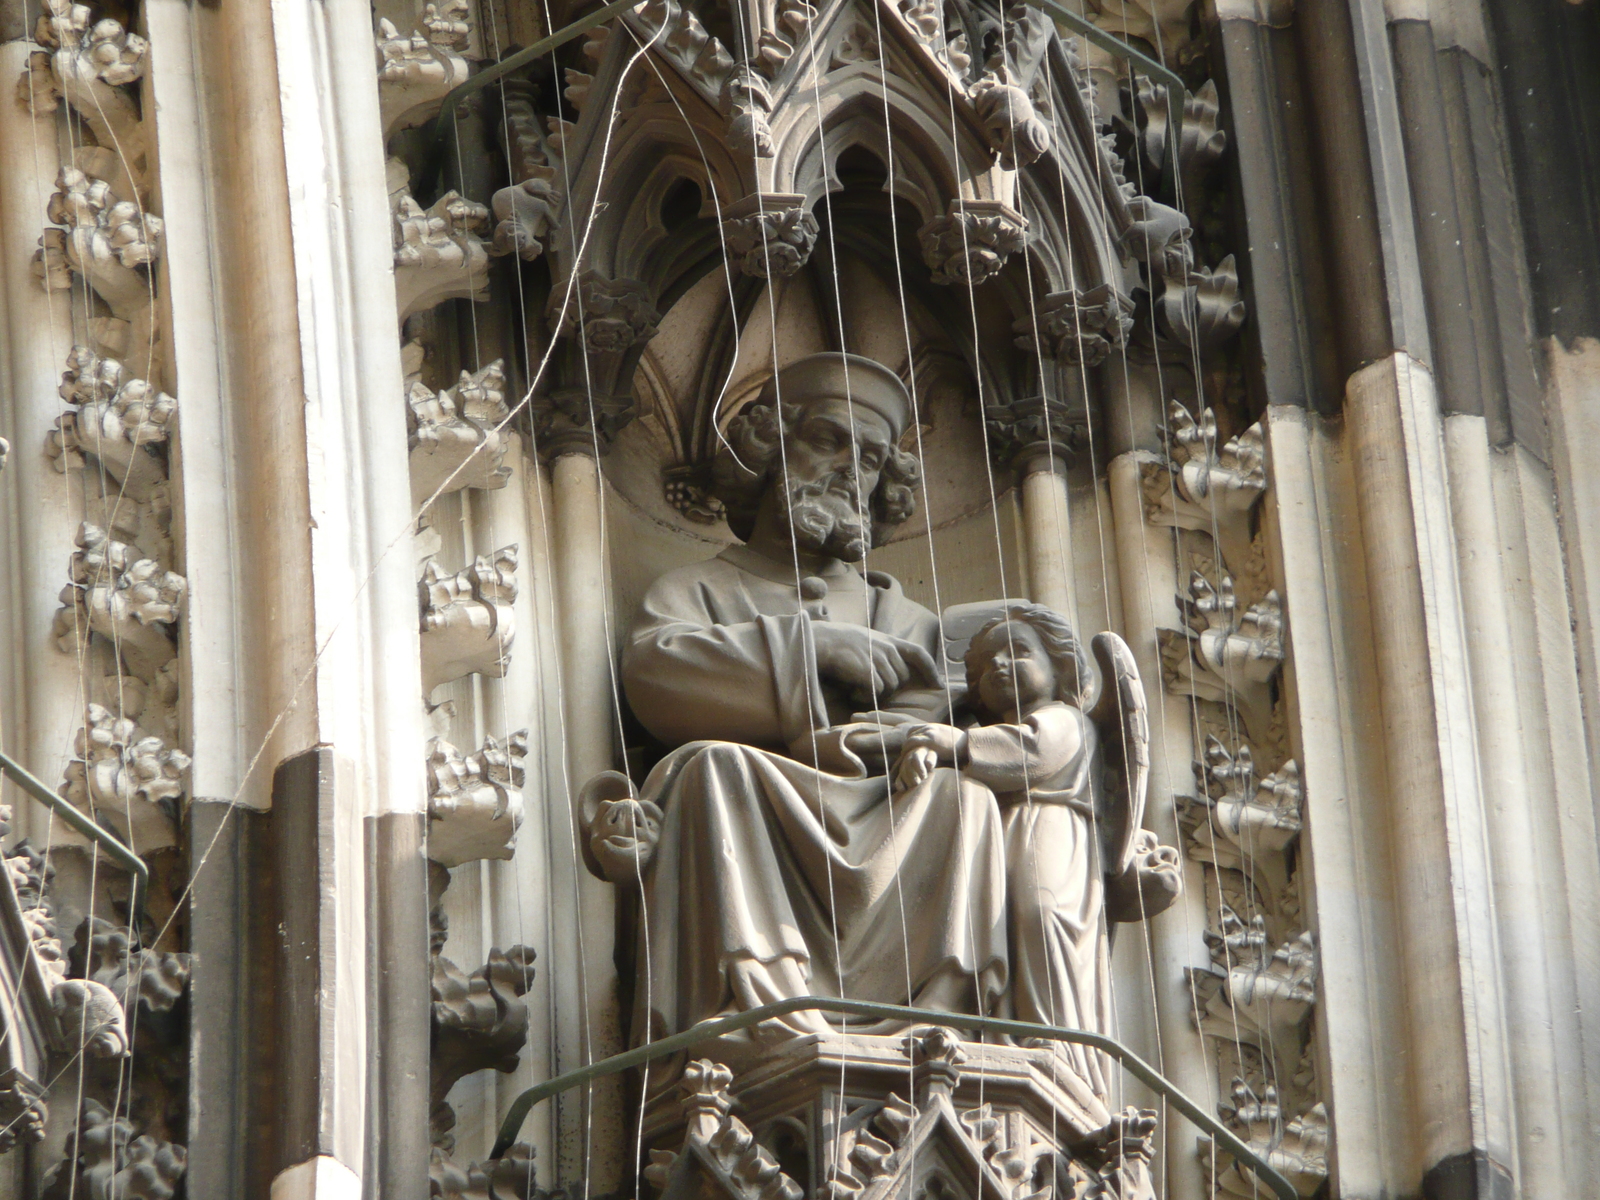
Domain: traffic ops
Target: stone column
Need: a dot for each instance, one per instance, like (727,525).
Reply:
(1147,579)
(1047,528)
(39,506)
(1454,1005)
(591,1126)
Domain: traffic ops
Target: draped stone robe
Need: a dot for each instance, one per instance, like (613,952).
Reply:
(783,866)
(1043,773)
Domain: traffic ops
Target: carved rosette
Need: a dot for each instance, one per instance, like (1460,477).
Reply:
(468,622)
(971,244)
(770,236)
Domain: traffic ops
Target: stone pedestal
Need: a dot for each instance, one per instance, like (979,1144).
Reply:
(912,1115)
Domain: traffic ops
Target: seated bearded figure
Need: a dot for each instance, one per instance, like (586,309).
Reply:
(769,856)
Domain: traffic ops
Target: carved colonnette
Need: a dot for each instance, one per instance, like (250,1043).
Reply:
(1256,1001)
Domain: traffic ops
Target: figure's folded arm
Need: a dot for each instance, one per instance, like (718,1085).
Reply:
(753,682)
(1011,757)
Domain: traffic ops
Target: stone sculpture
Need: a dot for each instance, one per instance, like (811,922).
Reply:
(773,854)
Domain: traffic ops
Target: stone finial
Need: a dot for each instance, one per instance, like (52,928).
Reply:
(103,1158)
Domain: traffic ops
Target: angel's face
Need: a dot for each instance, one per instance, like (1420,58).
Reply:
(1016,673)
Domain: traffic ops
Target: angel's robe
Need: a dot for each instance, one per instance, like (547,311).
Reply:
(1042,774)
(783,866)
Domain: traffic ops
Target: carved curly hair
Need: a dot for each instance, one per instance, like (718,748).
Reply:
(1074,672)
(751,457)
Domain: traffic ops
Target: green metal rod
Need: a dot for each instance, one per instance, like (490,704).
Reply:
(1176,92)
(1131,1062)
(504,67)
(84,824)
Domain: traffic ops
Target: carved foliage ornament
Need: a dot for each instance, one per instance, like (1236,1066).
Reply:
(102,238)
(774,241)
(1079,326)
(117,420)
(475,800)
(457,439)
(90,64)
(103,1158)
(417,70)
(971,244)
(467,618)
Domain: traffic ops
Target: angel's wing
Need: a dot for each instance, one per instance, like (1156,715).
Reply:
(1124,719)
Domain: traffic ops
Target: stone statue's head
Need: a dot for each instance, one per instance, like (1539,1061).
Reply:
(1073,673)
(823,438)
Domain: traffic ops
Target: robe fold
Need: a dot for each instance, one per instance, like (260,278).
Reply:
(784,867)
(1041,772)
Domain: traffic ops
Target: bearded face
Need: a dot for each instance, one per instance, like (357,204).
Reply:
(824,516)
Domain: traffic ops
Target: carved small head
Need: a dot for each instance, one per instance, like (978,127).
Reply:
(1025,658)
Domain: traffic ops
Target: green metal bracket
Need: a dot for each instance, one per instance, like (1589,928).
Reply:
(502,68)
(706,1030)
(87,826)
(1176,92)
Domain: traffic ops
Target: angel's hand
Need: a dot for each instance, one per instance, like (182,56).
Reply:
(623,838)
(945,741)
(914,767)
(874,743)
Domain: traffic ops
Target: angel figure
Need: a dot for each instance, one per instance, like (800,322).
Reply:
(1076,857)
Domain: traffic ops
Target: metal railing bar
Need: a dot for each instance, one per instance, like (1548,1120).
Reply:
(85,825)
(1131,1062)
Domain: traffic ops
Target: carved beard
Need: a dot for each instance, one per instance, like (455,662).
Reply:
(824,517)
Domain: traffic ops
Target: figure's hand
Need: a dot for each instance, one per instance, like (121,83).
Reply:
(946,742)
(623,838)
(868,662)
(876,743)
(915,765)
